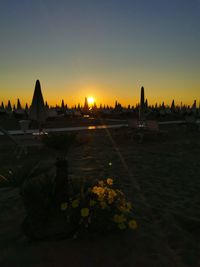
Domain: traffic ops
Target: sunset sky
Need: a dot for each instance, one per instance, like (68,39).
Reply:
(107,49)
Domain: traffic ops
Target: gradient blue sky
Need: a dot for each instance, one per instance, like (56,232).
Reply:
(104,48)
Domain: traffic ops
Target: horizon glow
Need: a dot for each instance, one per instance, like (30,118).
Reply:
(107,49)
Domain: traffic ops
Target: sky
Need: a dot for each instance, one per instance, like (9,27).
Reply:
(107,49)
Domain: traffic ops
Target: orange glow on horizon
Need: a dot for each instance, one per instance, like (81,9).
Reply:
(101,94)
(71,102)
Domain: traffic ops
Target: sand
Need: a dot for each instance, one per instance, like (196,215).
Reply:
(160,176)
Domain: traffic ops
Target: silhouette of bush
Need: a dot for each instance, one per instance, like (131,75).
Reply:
(99,208)
(91,208)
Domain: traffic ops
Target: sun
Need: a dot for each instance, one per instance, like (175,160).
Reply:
(91,100)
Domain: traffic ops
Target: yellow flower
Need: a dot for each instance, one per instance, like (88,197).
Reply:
(109,181)
(95,189)
(122,226)
(119,218)
(101,191)
(75,203)
(63,206)
(92,203)
(112,193)
(98,190)
(132,224)
(85,212)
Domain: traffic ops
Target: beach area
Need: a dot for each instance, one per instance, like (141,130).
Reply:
(100,133)
(161,178)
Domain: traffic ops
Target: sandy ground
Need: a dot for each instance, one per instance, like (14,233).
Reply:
(161,177)
(13,124)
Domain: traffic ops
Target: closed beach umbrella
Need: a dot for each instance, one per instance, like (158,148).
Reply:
(2,105)
(142,106)
(19,107)
(9,107)
(38,110)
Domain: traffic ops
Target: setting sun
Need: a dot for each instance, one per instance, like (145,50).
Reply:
(91,100)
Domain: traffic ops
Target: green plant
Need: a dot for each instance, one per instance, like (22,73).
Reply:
(99,208)
(94,208)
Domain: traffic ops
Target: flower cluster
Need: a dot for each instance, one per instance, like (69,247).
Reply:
(101,208)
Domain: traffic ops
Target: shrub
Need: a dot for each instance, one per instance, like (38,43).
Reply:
(102,208)
(97,209)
